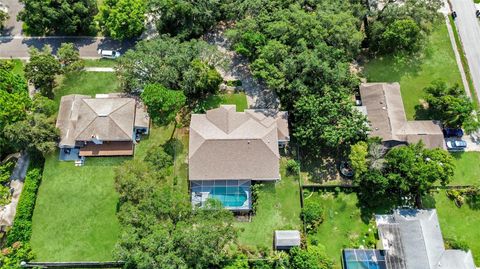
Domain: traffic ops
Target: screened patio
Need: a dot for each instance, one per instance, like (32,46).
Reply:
(233,194)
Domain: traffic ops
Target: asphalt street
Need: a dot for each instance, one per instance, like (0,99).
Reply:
(469,31)
(13,44)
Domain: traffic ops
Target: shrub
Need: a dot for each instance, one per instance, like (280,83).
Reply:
(157,156)
(11,257)
(22,224)
(312,213)
(292,167)
(454,243)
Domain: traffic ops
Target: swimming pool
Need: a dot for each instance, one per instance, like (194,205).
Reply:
(229,196)
(233,194)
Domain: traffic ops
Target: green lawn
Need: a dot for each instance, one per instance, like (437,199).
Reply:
(278,208)
(100,63)
(438,62)
(461,223)
(342,223)
(215,101)
(88,83)
(74,217)
(467,171)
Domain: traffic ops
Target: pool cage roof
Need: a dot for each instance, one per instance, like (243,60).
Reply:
(364,259)
(233,194)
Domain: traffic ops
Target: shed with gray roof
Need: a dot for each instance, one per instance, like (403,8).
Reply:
(287,239)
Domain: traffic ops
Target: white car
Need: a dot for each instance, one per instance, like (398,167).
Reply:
(109,54)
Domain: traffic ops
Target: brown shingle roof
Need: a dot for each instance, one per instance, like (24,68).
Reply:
(225,144)
(386,114)
(108,119)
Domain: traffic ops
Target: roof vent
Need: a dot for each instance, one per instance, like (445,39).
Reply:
(384,108)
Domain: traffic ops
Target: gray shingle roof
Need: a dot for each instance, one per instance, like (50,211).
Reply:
(225,144)
(413,240)
(108,119)
(386,114)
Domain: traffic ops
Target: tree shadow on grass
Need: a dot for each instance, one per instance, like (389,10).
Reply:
(320,168)
(392,68)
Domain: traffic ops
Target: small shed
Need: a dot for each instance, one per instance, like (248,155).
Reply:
(285,240)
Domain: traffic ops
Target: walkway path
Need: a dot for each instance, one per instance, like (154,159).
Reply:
(7,213)
(258,96)
(99,69)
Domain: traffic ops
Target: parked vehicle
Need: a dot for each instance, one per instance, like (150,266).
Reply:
(454,15)
(452,132)
(477,13)
(456,145)
(109,54)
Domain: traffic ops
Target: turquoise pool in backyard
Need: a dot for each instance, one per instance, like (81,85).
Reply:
(229,196)
(233,194)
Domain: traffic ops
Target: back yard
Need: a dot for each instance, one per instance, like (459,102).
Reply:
(436,62)
(467,171)
(342,226)
(75,215)
(278,207)
(459,223)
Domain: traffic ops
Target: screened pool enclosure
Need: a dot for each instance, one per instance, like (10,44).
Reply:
(233,194)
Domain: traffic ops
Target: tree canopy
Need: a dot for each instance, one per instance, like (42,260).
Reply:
(449,104)
(122,19)
(42,69)
(409,173)
(163,104)
(186,66)
(69,58)
(58,17)
(160,229)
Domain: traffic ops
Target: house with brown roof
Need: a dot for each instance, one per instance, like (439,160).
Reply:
(383,105)
(106,125)
(229,149)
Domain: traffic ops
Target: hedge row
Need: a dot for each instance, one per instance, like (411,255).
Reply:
(21,230)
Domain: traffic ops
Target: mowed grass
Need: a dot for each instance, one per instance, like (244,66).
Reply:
(467,169)
(461,223)
(214,101)
(74,217)
(437,62)
(342,222)
(86,83)
(278,208)
(100,63)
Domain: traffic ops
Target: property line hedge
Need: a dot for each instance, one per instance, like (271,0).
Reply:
(21,230)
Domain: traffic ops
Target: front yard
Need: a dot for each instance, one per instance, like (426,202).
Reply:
(278,208)
(467,168)
(437,62)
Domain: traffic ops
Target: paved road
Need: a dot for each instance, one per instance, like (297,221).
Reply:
(14,45)
(469,31)
(17,46)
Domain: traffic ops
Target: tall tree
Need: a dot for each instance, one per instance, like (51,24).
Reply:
(329,119)
(122,19)
(42,69)
(449,104)
(163,104)
(201,79)
(69,58)
(58,17)
(185,19)
(160,229)
(35,134)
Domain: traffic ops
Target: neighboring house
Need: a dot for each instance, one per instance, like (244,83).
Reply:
(229,149)
(106,125)
(384,109)
(411,239)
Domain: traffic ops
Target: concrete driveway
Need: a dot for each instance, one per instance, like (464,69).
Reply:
(469,31)
(12,26)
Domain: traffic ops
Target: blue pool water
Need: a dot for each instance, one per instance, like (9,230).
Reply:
(229,196)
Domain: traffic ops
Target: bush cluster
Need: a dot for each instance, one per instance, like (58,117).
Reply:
(22,225)
(312,214)
(454,243)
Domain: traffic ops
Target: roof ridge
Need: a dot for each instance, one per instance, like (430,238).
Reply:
(424,242)
(119,126)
